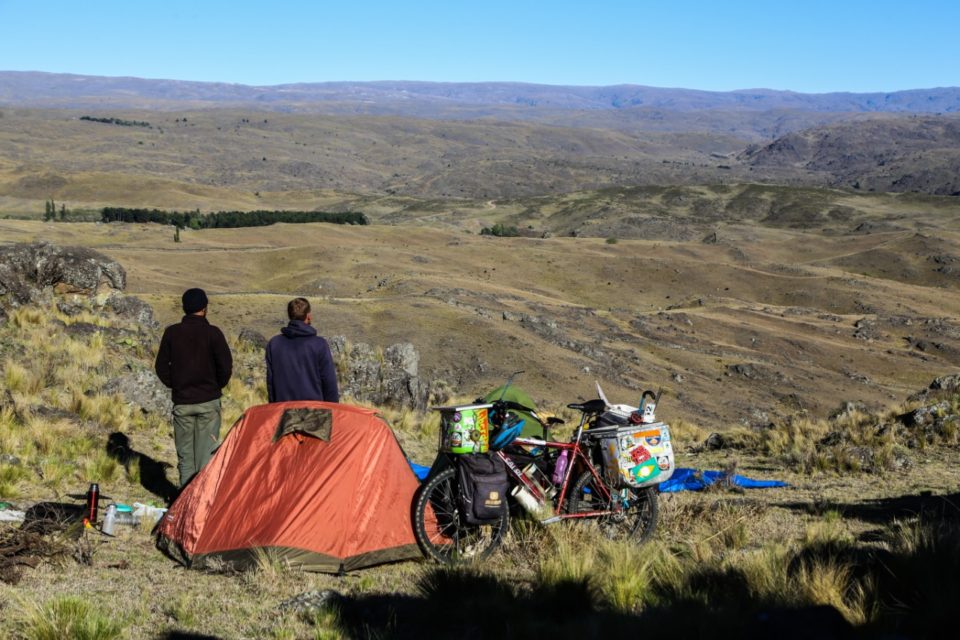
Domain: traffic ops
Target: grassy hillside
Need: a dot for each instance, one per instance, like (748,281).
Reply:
(196,159)
(816,318)
(906,154)
(864,541)
(401,169)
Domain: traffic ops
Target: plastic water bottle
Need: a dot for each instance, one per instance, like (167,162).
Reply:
(560,469)
(649,417)
(109,519)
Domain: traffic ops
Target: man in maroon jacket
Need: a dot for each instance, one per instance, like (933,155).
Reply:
(195,362)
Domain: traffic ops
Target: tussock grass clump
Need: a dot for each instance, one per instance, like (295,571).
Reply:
(706,529)
(110,412)
(831,530)
(853,441)
(102,468)
(28,317)
(182,609)
(325,626)
(68,617)
(268,563)
(918,585)
(11,477)
(632,576)
(11,432)
(569,558)
(237,398)
(687,434)
(19,379)
(829,581)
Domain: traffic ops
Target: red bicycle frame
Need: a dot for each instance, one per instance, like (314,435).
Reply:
(576,453)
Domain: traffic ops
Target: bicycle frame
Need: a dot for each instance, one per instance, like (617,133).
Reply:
(576,453)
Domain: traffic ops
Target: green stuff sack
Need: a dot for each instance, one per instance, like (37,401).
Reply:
(531,425)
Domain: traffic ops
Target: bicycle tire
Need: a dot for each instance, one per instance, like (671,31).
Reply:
(447,538)
(638,518)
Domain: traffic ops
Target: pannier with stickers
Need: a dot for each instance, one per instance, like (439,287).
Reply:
(636,456)
(636,450)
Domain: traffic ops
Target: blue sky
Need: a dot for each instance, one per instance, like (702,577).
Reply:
(809,46)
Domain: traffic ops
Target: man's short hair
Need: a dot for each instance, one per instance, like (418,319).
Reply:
(298,308)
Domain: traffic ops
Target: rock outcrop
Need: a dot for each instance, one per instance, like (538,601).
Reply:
(388,377)
(27,269)
(141,388)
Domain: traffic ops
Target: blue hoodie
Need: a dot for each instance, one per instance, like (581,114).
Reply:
(300,366)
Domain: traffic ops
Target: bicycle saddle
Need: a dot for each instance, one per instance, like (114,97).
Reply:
(590,406)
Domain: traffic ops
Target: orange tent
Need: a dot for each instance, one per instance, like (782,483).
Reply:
(323,486)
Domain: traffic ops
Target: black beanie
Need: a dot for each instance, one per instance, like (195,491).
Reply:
(194,300)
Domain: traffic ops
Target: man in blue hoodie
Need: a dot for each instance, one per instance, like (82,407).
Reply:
(299,362)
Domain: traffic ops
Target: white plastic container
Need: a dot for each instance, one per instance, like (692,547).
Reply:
(109,520)
(526,500)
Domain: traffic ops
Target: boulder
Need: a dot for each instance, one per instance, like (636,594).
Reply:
(27,269)
(310,603)
(70,308)
(714,442)
(133,310)
(946,383)
(252,339)
(141,388)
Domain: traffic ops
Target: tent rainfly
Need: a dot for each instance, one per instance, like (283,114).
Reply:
(321,486)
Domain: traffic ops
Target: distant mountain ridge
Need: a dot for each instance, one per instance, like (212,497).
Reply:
(28,88)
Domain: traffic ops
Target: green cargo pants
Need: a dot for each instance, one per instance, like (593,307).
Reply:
(196,432)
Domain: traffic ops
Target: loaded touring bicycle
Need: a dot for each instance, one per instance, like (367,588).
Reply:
(607,472)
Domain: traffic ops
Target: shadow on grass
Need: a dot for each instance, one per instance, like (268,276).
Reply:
(464,604)
(914,571)
(927,506)
(907,587)
(49,517)
(153,474)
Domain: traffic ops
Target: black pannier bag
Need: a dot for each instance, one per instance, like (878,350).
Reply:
(483,487)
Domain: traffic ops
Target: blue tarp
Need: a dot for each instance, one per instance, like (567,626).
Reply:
(696,480)
(681,480)
(419,470)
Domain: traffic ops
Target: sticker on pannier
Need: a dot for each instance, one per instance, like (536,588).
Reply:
(465,429)
(637,458)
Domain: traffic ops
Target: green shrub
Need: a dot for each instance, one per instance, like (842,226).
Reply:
(68,618)
(500,230)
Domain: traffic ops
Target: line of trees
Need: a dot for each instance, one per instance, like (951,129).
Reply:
(227,219)
(119,121)
(50,211)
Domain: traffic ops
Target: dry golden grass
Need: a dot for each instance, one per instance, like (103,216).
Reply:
(705,543)
(446,292)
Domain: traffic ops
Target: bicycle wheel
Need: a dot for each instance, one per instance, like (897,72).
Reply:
(440,529)
(634,510)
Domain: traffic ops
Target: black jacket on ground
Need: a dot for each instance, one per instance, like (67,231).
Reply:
(194,360)
(300,366)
